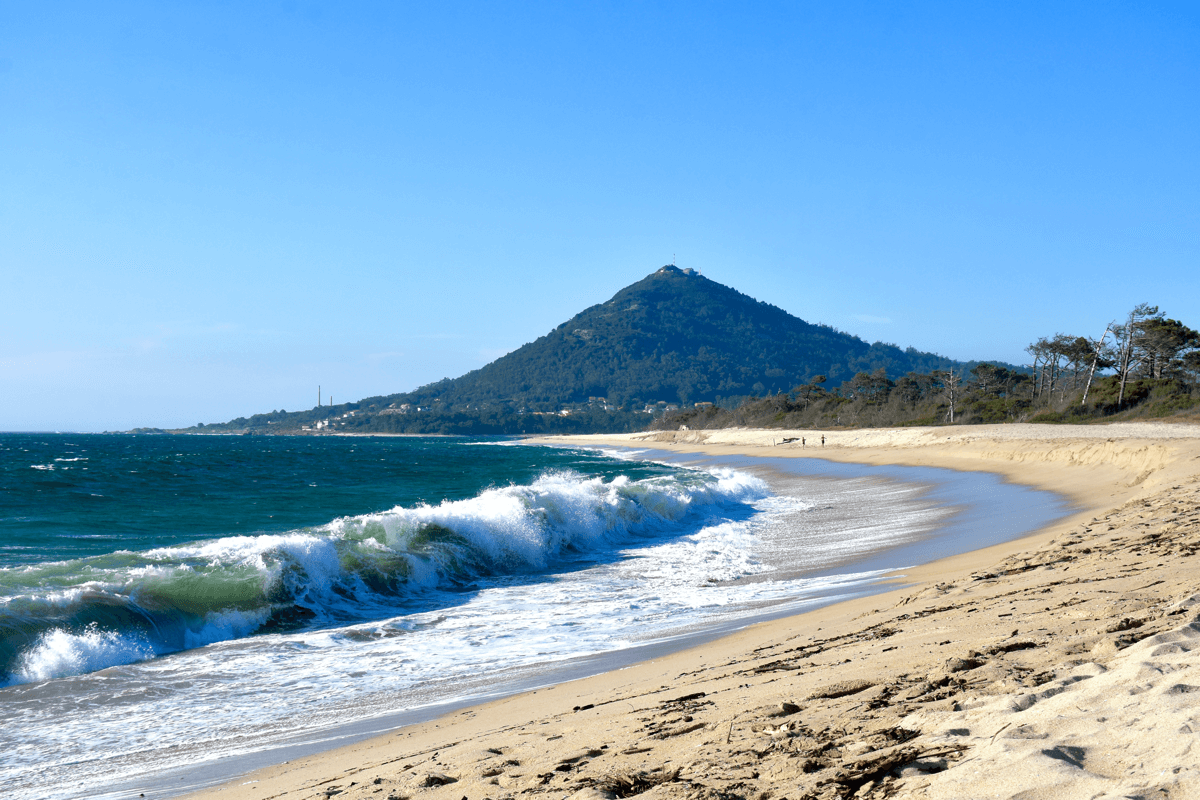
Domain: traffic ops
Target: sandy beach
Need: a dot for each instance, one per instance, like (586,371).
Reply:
(1056,666)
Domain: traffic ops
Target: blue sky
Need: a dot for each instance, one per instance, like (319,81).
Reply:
(208,209)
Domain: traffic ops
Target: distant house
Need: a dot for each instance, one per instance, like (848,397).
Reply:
(704,404)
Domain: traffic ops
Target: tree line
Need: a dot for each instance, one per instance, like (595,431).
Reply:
(1144,365)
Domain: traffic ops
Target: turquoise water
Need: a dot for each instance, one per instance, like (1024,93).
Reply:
(119,548)
(66,496)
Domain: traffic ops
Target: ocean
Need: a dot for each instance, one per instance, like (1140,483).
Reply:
(175,610)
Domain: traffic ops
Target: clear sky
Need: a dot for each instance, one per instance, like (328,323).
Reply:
(208,209)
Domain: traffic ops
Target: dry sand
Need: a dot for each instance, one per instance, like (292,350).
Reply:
(1063,665)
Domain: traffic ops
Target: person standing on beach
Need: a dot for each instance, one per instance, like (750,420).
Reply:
(822,440)
(802,441)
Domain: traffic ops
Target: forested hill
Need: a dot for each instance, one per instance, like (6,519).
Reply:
(673,338)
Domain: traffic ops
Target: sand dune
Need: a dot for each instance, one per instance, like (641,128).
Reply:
(1062,665)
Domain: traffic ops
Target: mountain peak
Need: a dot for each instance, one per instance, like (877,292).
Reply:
(671,269)
(673,336)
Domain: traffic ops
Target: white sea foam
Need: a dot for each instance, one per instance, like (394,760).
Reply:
(622,453)
(57,653)
(526,527)
(188,596)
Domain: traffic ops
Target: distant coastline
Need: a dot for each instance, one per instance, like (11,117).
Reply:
(679,351)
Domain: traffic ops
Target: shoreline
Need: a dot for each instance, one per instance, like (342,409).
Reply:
(706,722)
(925,508)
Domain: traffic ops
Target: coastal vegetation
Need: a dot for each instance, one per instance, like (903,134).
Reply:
(1145,366)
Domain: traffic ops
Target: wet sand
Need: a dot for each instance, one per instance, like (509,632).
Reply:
(1058,665)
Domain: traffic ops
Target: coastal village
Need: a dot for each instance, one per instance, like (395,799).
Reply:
(654,411)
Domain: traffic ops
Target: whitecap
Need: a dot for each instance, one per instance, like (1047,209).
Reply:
(59,653)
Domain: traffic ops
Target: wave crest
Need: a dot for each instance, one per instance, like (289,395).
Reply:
(74,617)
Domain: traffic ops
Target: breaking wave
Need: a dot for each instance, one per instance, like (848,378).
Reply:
(71,617)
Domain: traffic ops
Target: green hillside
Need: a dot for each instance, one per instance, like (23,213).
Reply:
(673,338)
(678,337)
